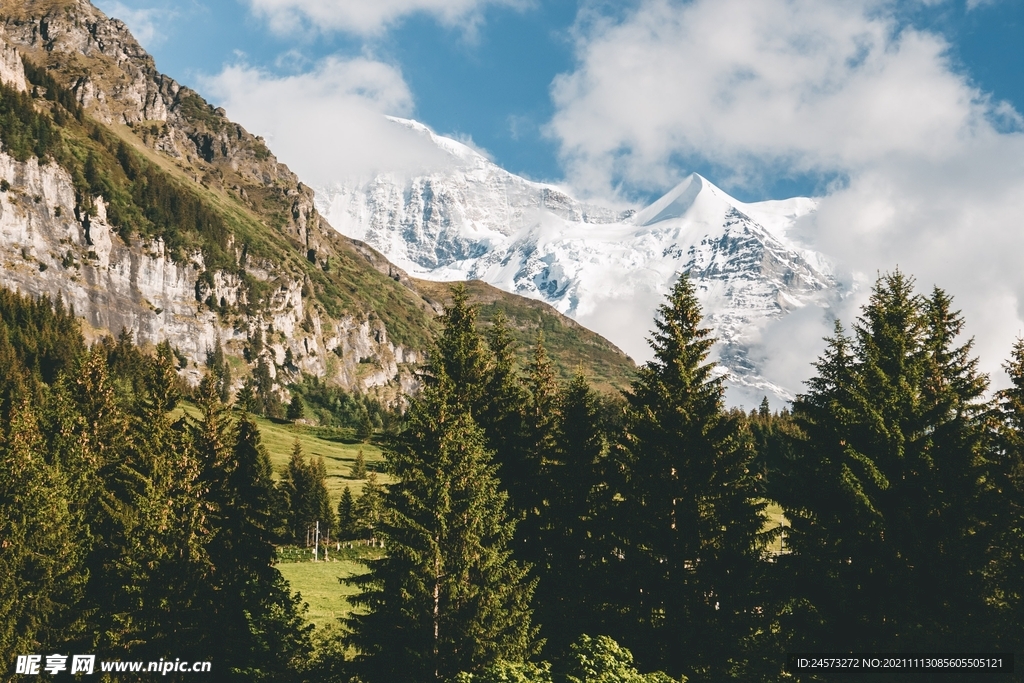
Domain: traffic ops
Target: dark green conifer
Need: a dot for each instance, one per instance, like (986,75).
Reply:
(246,398)
(888,522)
(574,580)
(260,631)
(41,567)
(296,411)
(447,597)
(502,414)
(460,353)
(694,519)
(306,484)
(1006,561)
(359,466)
(346,515)
(369,509)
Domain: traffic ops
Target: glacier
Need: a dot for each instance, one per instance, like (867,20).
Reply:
(608,269)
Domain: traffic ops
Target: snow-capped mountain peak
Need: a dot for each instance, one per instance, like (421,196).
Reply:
(607,269)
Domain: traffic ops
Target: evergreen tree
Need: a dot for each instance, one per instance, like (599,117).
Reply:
(294,483)
(41,569)
(1006,559)
(359,466)
(246,398)
(364,430)
(502,414)
(346,515)
(261,635)
(693,515)
(888,521)
(320,501)
(460,354)
(448,597)
(263,386)
(216,363)
(309,503)
(296,411)
(369,509)
(574,581)
(527,483)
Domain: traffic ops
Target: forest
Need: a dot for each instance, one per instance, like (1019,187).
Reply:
(532,531)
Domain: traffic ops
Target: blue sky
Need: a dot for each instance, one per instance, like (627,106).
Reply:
(487,73)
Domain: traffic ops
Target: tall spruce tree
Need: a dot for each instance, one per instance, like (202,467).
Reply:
(1006,556)
(41,568)
(346,515)
(448,597)
(369,509)
(694,518)
(306,486)
(573,587)
(260,628)
(460,354)
(888,523)
(502,414)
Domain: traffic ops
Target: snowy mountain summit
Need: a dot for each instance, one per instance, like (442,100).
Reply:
(609,270)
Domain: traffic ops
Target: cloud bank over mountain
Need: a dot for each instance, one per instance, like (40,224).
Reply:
(329,122)
(920,168)
(930,168)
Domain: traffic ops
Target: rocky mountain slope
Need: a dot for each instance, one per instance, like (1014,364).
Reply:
(607,270)
(148,210)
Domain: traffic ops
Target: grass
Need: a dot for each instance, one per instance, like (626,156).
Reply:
(339,453)
(568,344)
(320,586)
(776,519)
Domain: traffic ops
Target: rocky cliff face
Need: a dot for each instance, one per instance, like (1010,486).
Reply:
(48,245)
(45,249)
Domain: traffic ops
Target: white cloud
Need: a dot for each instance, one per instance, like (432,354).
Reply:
(815,85)
(327,123)
(142,22)
(368,16)
(932,167)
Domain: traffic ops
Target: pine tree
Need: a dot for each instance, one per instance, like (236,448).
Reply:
(246,398)
(502,414)
(320,501)
(216,363)
(692,502)
(369,509)
(574,582)
(460,354)
(296,411)
(889,528)
(359,466)
(527,484)
(448,597)
(1006,561)
(309,503)
(41,569)
(261,635)
(346,515)
(263,386)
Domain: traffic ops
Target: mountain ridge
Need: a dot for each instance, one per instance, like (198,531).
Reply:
(607,269)
(275,270)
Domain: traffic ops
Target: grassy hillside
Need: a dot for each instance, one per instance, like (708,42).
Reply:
(568,343)
(337,449)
